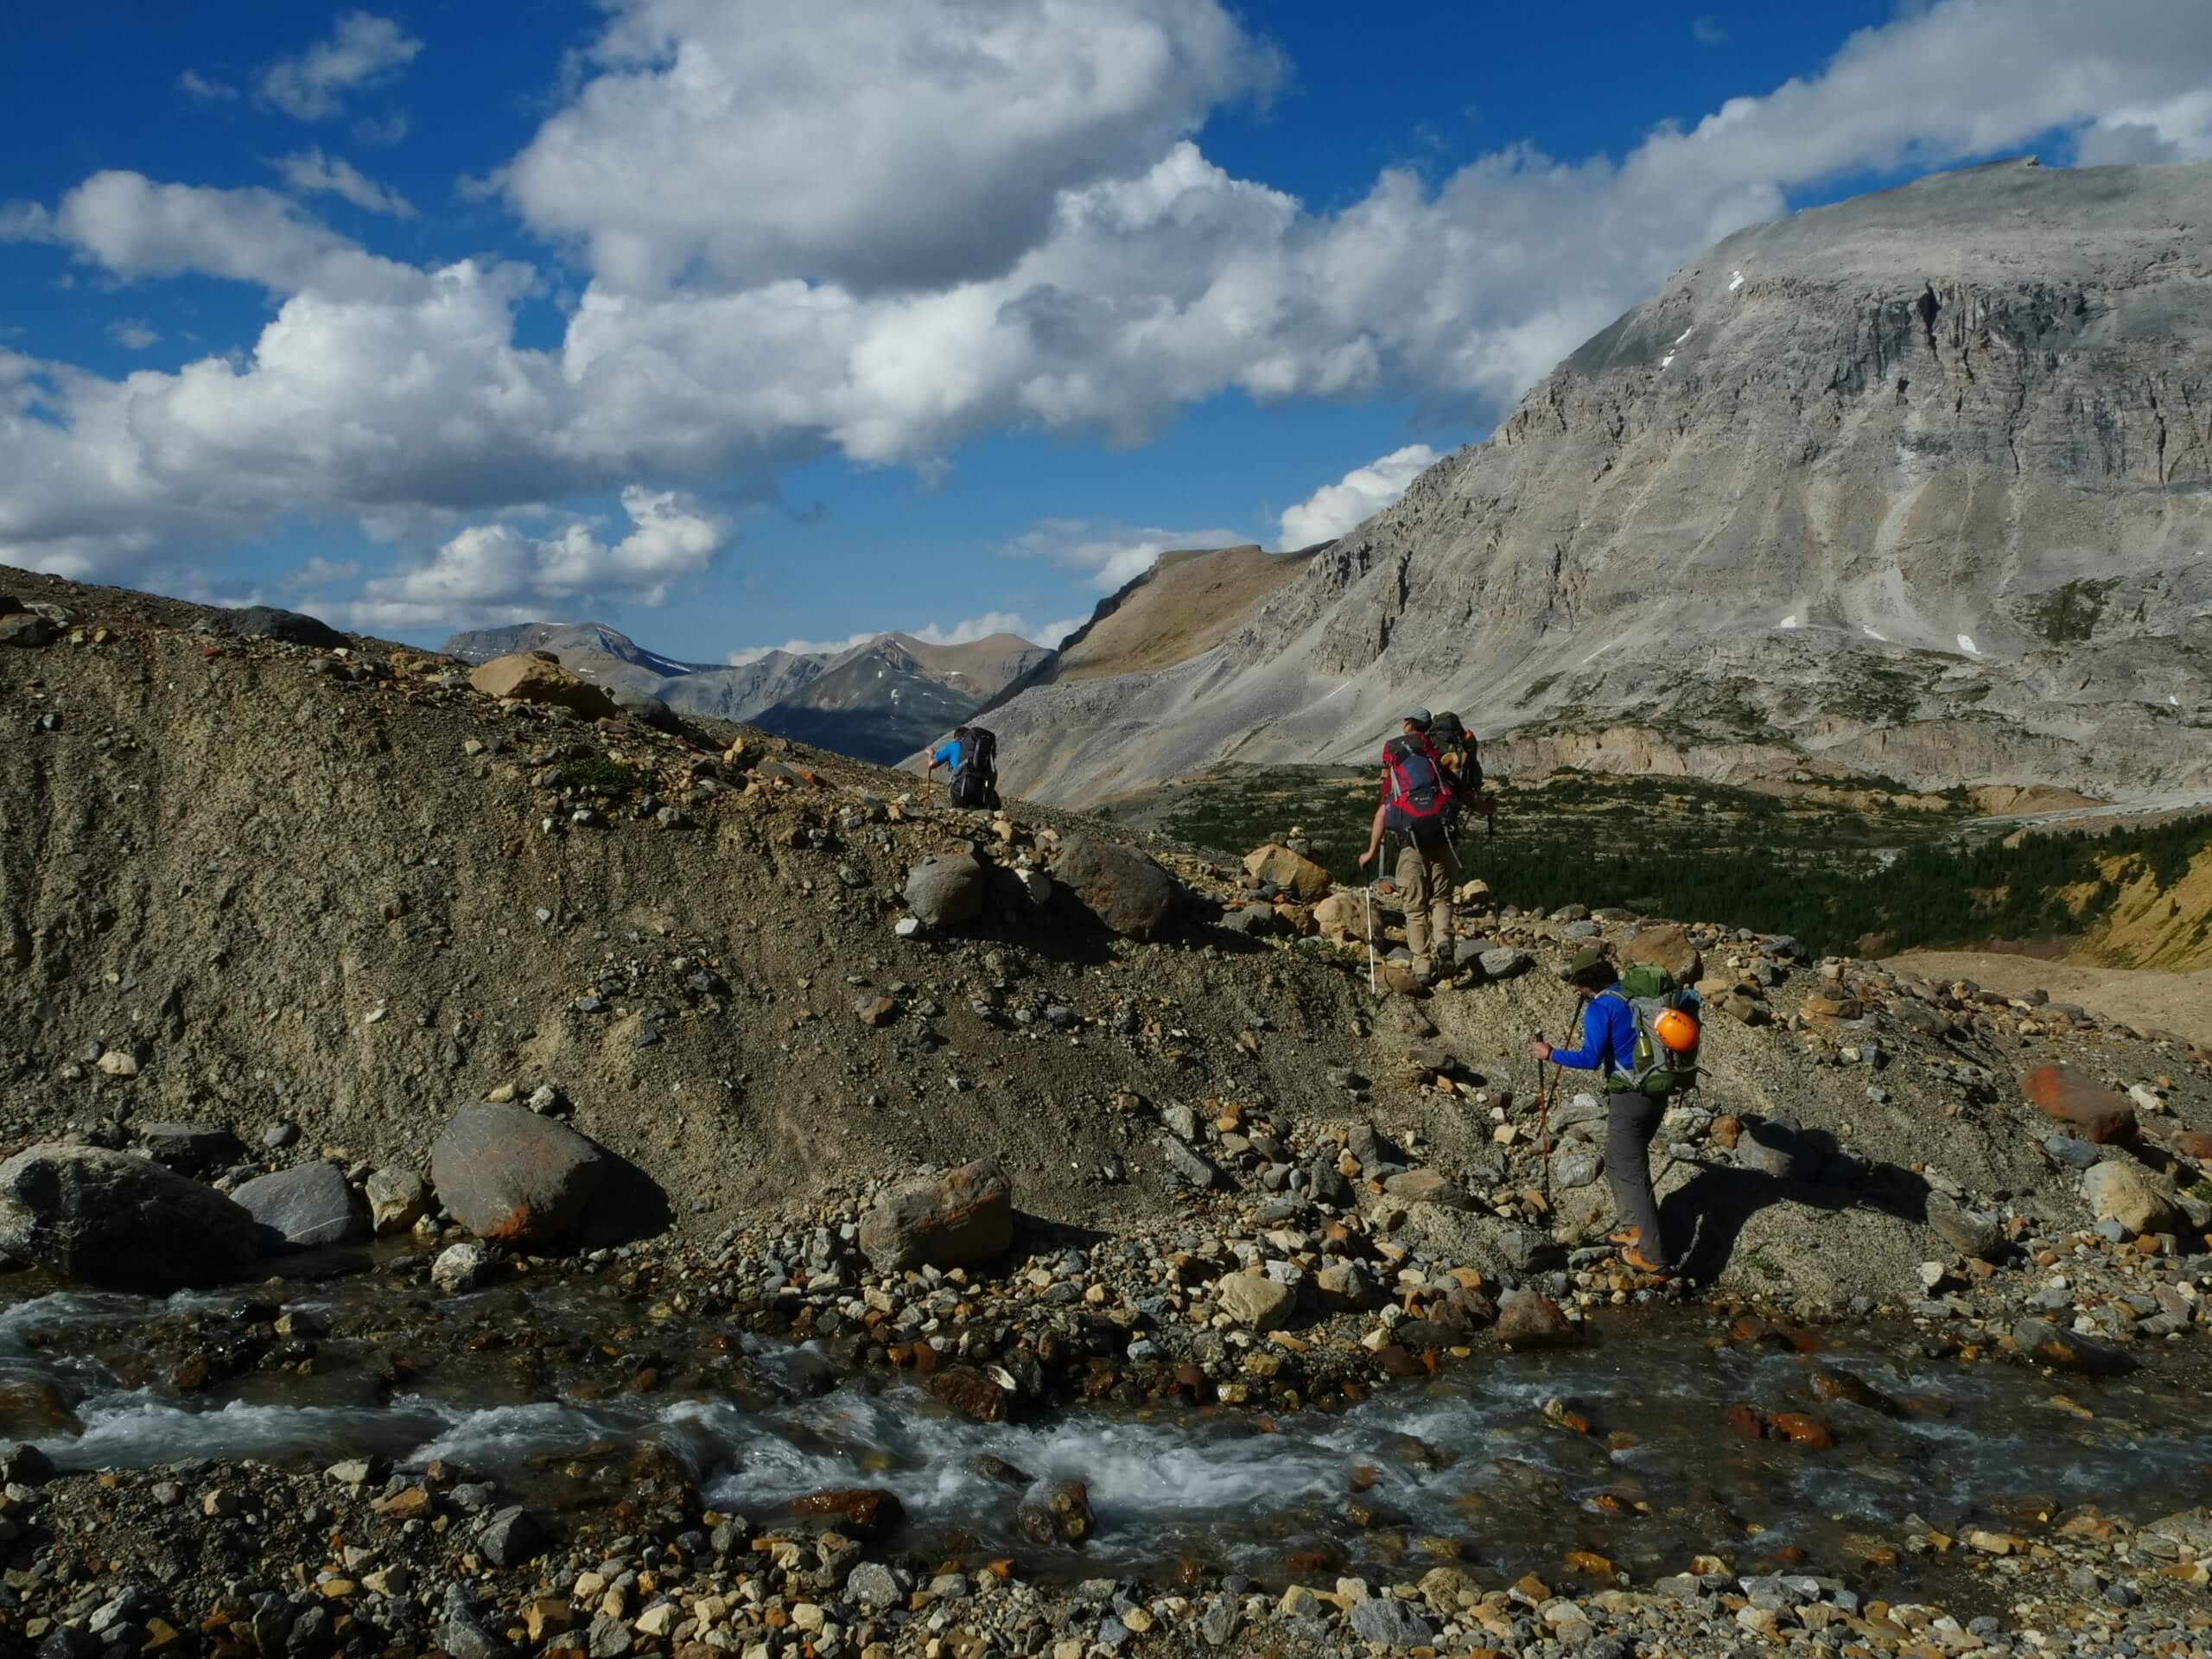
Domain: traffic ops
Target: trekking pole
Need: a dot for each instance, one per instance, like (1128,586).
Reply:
(1544,1107)
(1372,988)
(1544,1132)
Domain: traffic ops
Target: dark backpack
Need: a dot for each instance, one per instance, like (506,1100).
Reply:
(976,780)
(1418,794)
(1456,744)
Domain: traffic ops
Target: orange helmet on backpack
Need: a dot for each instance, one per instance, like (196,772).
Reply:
(1676,1029)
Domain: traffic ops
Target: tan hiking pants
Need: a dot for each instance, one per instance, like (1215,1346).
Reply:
(1425,881)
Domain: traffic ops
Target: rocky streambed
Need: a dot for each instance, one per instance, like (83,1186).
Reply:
(577,1459)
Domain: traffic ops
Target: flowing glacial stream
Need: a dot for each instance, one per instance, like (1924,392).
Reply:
(1623,1448)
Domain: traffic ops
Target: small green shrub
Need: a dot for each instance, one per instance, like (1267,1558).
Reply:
(604,777)
(2068,615)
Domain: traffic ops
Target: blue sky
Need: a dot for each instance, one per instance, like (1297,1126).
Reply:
(740,324)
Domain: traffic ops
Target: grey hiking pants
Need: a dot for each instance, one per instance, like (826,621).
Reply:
(1631,1120)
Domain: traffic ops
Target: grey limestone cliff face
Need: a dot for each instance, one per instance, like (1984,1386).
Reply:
(1919,482)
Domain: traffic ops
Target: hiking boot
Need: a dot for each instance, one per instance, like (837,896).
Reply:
(1626,1235)
(1634,1258)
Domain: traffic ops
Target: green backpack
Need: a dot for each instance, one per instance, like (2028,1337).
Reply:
(1650,991)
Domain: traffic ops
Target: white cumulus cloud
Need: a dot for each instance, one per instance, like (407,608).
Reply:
(363,51)
(135,228)
(1335,508)
(132,334)
(872,144)
(498,572)
(310,173)
(882,230)
(2176,129)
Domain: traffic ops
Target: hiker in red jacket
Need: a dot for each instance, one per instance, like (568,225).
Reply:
(1414,798)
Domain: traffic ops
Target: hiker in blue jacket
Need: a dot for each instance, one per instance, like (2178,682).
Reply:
(1631,1115)
(947,754)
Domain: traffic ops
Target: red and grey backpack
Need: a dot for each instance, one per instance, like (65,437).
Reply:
(1418,794)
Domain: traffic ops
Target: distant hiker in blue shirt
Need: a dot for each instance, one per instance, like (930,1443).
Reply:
(1631,1116)
(947,754)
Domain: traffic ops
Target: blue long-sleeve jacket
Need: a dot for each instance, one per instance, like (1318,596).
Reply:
(1608,1037)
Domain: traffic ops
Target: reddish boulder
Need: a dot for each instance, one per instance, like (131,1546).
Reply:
(1533,1321)
(1667,947)
(972,1393)
(2090,1111)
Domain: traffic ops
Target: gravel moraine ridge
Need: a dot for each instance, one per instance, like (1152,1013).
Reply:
(263,907)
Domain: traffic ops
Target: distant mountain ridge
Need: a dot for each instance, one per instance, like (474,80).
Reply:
(879,701)
(482,645)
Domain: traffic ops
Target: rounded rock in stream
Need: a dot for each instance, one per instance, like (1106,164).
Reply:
(119,1221)
(1533,1321)
(1058,1512)
(508,1174)
(459,1266)
(972,1393)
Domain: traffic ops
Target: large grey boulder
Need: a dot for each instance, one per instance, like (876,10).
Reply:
(27,628)
(945,890)
(1126,892)
(961,1220)
(300,1208)
(118,1221)
(506,1173)
(292,627)
(646,706)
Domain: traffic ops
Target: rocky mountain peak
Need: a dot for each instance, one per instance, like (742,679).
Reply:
(1917,482)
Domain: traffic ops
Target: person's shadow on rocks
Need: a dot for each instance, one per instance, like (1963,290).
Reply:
(1778,1163)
